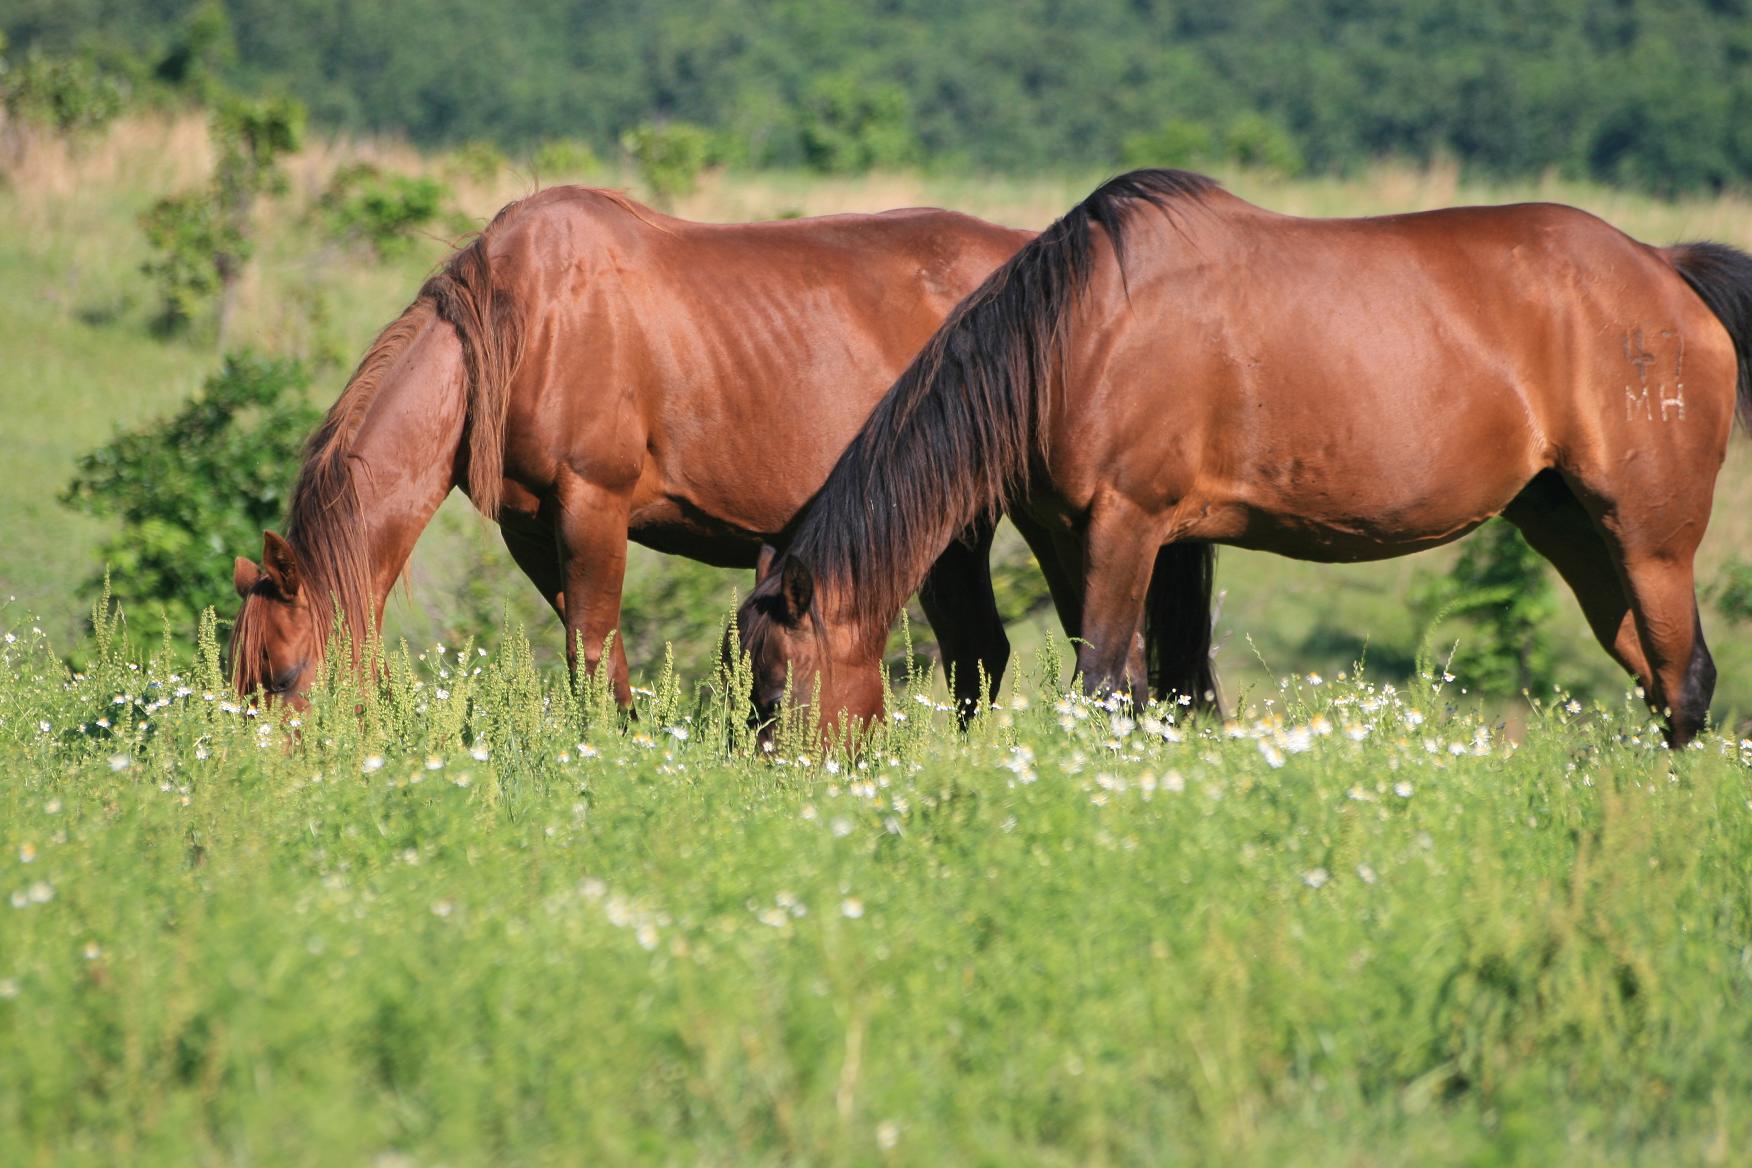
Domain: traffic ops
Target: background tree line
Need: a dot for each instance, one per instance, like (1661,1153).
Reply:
(1651,93)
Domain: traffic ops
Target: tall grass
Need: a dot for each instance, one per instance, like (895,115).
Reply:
(465,915)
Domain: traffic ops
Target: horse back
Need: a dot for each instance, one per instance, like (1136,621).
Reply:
(715,371)
(1264,364)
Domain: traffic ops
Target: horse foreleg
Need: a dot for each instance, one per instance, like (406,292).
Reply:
(1119,554)
(1061,563)
(591,526)
(534,550)
(958,601)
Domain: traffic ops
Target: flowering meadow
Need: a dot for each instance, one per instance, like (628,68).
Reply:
(466,914)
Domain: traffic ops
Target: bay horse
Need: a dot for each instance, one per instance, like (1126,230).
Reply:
(589,370)
(1168,366)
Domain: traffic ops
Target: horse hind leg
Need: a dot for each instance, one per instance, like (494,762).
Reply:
(1557,526)
(1664,601)
(1652,625)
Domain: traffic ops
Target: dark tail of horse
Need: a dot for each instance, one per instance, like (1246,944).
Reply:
(1177,624)
(1722,277)
(960,433)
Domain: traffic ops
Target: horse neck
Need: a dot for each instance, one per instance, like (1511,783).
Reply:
(397,463)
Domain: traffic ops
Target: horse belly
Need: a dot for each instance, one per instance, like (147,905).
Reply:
(1356,492)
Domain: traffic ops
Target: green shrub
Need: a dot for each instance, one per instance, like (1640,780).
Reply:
(1732,594)
(66,96)
(670,158)
(564,158)
(477,161)
(850,126)
(1176,142)
(186,233)
(201,240)
(1500,586)
(364,204)
(191,489)
(1262,143)
(204,48)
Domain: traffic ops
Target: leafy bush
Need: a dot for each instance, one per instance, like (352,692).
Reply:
(1500,586)
(66,96)
(564,158)
(477,161)
(1733,593)
(204,48)
(1257,141)
(186,233)
(193,488)
(851,126)
(202,239)
(669,157)
(1176,142)
(380,209)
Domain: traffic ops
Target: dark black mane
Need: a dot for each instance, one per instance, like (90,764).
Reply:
(958,434)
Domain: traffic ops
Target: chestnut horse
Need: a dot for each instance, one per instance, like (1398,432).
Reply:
(1168,366)
(589,370)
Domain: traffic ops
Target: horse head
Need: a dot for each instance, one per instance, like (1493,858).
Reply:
(788,639)
(277,642)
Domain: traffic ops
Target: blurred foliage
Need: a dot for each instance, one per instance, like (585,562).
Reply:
(68,95)
(566,158)
(1647,92)
(186,233)
(1252,140)
(669,157)
(850,125)
(1502,589)
(1732,593)
(202,239)
(1176,142)
(366,204)
(192,489)
(477,161)
(200,53)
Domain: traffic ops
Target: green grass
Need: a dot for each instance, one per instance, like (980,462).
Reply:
(472,920)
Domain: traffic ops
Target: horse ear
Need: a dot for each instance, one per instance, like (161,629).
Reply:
(280,564)
(244,575)
(796,588)
(763,567)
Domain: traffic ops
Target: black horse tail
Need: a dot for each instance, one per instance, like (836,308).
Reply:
(1722,278)
(1177,625)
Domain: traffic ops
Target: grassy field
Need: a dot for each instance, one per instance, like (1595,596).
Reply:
(471,917)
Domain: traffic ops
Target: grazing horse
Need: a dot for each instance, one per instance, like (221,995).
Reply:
(589,370)
(1168,367)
